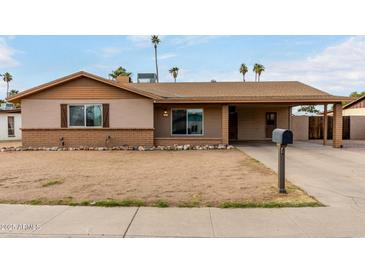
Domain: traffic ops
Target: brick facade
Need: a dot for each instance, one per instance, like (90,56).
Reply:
(87,137)
(337,125)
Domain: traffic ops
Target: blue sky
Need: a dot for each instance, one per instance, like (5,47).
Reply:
(332,63)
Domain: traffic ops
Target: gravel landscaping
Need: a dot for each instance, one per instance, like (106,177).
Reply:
(220,177)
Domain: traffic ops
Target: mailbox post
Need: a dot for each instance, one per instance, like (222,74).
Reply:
(282,137)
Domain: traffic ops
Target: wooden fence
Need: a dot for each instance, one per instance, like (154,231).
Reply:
(316,127)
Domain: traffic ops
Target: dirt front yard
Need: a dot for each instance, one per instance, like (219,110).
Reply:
(166,178)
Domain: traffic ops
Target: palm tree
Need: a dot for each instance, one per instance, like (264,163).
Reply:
(13,92)
(119,72)
(174,71)
(155,41)
(7,77)
(243,70)
(258,69)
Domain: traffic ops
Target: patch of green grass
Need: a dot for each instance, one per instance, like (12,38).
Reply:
(189,204)
(36,202)
(52,183)
(235,204)
(161,203)
(110,203)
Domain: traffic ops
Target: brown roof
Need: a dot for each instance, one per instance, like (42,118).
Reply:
(281,91)
(357,100)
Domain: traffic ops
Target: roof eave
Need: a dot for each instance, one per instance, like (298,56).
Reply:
(330,100)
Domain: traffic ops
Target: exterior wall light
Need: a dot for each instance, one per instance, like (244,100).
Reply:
(165,113)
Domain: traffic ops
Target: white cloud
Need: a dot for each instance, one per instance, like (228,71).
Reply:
(111,51)
(190,40)
(7,59)
(165,56)
(144,41)
(140,41)
(339,69)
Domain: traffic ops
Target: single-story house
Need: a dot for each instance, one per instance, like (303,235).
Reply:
(83,109)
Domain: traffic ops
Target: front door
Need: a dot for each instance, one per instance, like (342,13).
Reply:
(232,125)
(271,120)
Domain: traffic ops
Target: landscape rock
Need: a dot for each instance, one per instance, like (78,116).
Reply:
(124,147)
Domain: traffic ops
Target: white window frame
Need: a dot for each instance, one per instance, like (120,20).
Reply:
(187,134)
(84,105)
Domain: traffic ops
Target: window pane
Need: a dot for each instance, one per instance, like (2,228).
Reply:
(179,121)
(270,118)
(11,132)
(93,116)
(195,121)
(77,118)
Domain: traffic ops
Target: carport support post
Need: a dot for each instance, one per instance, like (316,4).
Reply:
(337,125)
(281,168)
(325,124)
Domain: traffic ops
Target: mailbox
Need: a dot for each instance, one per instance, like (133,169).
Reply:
(282,136)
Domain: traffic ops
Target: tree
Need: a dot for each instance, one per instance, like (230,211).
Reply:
(243,70)
(13,92)
(309,109)
(174,72)
(258,69)
(155,41)
(7,77)
(357,94)
(119,72)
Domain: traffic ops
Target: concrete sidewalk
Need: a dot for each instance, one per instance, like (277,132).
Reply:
(65,221)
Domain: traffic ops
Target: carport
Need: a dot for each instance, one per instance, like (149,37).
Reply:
(256,121)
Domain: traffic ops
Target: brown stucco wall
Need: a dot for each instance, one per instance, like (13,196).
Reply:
(251,120)
(357,128)
(212,125)
(124,113)
(87,137)
(300,127)
(130,116)
(212,120)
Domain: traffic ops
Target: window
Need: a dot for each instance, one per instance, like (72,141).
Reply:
(187,122)
(11,132)
(85,115)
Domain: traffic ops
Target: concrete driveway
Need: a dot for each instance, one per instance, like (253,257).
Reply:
(336,177)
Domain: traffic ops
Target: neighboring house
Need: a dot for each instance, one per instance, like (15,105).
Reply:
(83,109)
(10,123)
(355,107)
